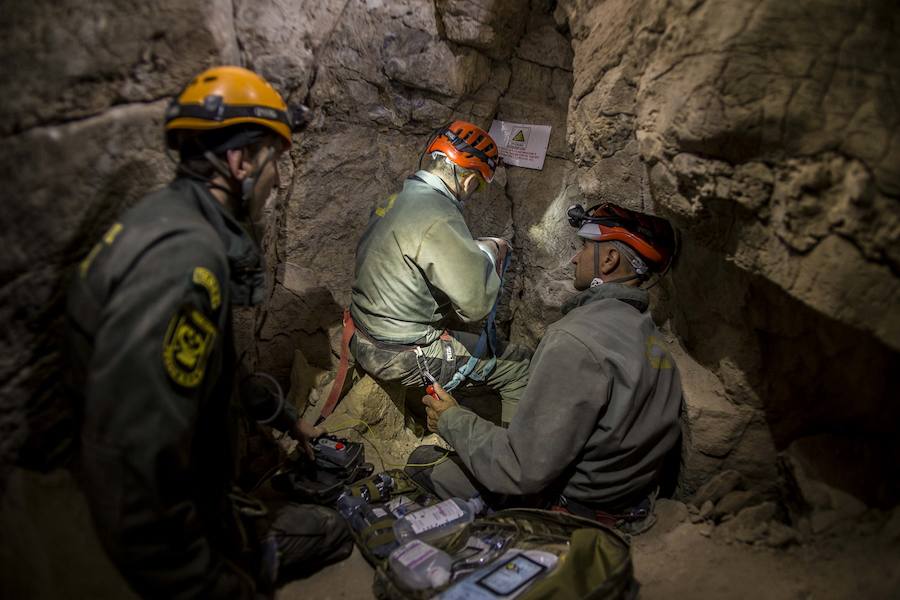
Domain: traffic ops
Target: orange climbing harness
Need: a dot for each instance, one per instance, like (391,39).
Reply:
(351,329)
(341,377)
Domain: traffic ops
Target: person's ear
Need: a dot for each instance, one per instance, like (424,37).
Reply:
(239,163)
(609,262)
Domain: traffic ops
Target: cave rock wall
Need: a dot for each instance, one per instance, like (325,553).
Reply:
(767,131)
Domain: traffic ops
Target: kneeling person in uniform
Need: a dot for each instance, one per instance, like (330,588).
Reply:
(417,264)
(149,326)
(601,409)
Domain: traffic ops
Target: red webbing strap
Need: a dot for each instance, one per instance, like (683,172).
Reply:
(341,377)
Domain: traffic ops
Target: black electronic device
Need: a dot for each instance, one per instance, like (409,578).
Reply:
(334,453)
(338,463)
(511,575)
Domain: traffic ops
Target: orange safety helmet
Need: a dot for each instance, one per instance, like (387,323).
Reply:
(226,96)
(653,238)
(467,146)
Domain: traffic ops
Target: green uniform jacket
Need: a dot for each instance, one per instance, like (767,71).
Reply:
(600,412)
(416,262)
(149,331)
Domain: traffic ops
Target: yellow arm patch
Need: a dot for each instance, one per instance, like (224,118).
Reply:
(657,354)
(108,238)
(205,279)
(190,338)
(382,210)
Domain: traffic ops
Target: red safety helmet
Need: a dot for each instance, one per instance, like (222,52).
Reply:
(467,146)
(653,238)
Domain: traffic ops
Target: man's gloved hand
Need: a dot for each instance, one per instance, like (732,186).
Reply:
(435,406)
(497,249)
(303,431)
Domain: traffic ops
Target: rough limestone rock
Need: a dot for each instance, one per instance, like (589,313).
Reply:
(376,414)
(732,502)
(706,511)
(74,59)
(780,535)
(669,514)
(304,379)
(768,132)
(716,488)
(757,525)
(820,505)
(750,525)
(281,38)
(490,26)
(79,175)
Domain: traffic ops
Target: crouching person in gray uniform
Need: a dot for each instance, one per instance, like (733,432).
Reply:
(153,364)
(417,264)
(601,408)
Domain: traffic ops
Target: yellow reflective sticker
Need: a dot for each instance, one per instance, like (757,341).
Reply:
(657,354)
(108,238)
(189,340)
(205,278)
(382,210)
(86,263)
(112,233)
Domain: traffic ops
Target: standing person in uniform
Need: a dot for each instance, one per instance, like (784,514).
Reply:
(602,406)
(149,323)
(417,264)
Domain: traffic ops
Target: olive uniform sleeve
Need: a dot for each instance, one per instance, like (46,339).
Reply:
(148,391)
(557,414)
(453,263)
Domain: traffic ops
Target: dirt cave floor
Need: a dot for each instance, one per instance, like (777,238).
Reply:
(679,559)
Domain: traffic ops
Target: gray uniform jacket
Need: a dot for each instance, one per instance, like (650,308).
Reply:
(599,414)
(416,262)
(149,323)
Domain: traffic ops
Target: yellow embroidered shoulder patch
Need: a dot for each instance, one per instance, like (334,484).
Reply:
(189,341)
(383,210)
(205,279)
(657,354)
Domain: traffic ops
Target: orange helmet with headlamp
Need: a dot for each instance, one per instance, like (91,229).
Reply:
(467,146)
(651,237)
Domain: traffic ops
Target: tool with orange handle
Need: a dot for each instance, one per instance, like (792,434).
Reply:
(427,377)
(429,389)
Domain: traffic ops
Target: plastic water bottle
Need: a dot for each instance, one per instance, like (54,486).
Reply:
(355,510)
(434,522)
(420,566)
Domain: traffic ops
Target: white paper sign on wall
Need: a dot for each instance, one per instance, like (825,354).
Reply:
(521,144)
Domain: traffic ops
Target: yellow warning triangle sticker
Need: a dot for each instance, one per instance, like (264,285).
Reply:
(519,137)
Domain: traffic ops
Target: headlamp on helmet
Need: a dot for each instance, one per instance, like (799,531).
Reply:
(651,238)
(223,97)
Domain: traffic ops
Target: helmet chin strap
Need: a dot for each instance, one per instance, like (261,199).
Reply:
(247,185)
(222,169)
(458,191)
(597,280)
